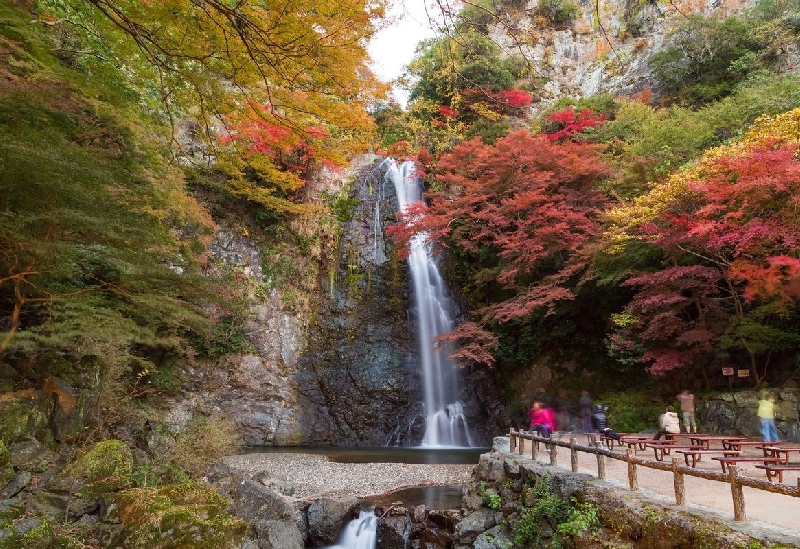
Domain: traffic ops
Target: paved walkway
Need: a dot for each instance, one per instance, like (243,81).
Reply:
(776,512)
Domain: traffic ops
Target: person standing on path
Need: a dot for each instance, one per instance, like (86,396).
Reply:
(687,408)
(542,419)
(585,406)
(766,411)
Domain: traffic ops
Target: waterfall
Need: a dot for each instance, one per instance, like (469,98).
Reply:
(360,533)
(445,422)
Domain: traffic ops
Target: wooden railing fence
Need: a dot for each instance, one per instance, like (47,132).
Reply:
(517,444)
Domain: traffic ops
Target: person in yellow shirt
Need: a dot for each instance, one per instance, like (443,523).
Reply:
(766,411)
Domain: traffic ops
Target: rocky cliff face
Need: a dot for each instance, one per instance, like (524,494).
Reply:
(735,412)
(604,49)
(357,379)
(338,364)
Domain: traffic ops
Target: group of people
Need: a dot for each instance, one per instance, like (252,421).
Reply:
(594,419)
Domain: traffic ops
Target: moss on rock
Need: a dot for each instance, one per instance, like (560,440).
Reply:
(25,414)
(40,537)
(6,470)
(33,534)
(107,467)
(9,511)
(177,516)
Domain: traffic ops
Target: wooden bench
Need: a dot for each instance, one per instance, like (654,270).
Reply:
(663,448)
(697,455)
(776,469)
(740,444)
(635,442)
(593,438)
(725,461)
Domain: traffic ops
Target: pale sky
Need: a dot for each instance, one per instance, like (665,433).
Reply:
(393,47)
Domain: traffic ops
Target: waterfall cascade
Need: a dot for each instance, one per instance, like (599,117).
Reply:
(445,423)
(360,533)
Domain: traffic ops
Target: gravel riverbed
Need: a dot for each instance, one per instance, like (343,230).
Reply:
(315,476)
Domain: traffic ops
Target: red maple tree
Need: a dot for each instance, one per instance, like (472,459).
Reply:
(522,212)
(571,123)
(732,262)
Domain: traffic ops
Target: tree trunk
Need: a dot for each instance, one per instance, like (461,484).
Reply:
(19,301)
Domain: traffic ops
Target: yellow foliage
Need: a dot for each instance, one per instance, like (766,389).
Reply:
(676,195)
(483,109)
(298,65)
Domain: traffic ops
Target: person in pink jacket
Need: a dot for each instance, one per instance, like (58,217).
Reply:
(542,419)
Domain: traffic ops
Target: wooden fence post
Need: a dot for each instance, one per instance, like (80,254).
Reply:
(553,453)
(601,462)
(573,455)
(512,440)
(534,448)
(521,439)
(633,479)
(738,494)
(678,482)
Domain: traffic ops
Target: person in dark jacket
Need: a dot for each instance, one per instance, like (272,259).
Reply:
(600,423)
(585,405)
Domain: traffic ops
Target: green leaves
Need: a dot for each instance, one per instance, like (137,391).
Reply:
(95,228)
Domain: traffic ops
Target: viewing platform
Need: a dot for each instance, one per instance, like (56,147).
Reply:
(735,487)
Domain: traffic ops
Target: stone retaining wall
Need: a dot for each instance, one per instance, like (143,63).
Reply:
(735,413)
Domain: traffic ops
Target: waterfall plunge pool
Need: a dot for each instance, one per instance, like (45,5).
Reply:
(434,497)
(441,498)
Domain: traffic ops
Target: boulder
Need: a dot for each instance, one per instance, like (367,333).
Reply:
(106,467)
(60,506)
(67,419)
(474,524)
(174,516)
(26,414)
(278,534)
(30,533)
(301,517)
(327,517)
(31,455)
(394,529)
(16,485)
(6,470)
(10,509)
(252,500)
(499,537)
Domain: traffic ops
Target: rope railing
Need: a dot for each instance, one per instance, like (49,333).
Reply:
(517,444)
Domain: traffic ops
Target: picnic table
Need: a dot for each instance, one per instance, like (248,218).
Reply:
(663,448)
(698,453)
(780,453)
(593,437)
(635,441)
(733,460)
(706,440)
(740,444)
(783,452)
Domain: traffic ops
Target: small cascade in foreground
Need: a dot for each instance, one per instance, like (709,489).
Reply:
(445,423)
(360,533)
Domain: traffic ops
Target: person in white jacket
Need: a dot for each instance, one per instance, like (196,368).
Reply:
(670,424)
